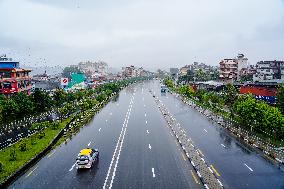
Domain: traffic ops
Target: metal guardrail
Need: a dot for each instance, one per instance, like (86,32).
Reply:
(203,170)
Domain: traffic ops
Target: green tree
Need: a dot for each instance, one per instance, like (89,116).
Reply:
(25,104)
(200,75)
(245,108)
(280,98)
(59,97)
(83,106)
(214,74)
(63,111)
(10,109)
(41,100)
(169,83)
(230,95)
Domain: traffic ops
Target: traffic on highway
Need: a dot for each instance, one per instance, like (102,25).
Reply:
(128,144)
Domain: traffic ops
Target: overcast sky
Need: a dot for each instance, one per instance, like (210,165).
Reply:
(149,33)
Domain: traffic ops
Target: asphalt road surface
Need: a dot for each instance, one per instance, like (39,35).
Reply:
(136,148)
(237,166)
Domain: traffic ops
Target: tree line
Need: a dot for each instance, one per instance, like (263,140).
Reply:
(251,114)
(21,105)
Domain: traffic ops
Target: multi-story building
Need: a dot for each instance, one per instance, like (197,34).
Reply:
(269,70)
(90,68)
(13,79)
(129,71)
(132,71)
(231,69)
(184,70)
(228,69)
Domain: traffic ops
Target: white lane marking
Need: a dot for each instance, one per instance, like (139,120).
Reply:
(144,105)
(72,167)
(145,114)
(110,113)
(153,172)
(122,140)
(205,130)
(146,122)
(117,104)
(223,145)
(89,143)
(147,132)
(51,154)
(150,147)
(100,129)
(106,120)
(248,167)
(115,156)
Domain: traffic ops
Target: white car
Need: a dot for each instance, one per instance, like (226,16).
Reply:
(87,158)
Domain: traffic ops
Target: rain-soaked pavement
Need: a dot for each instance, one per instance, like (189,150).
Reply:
(133,129)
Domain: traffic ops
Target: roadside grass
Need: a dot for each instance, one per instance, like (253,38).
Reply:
(33,144)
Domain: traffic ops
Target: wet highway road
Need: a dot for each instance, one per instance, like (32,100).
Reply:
(136,150)
(237,166)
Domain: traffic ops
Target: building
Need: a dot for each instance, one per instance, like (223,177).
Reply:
(269,70)
(41,77)
(263,92)
(195,67)
(13,79)
(90,68)
(233,69)
(132,71)
(128,71)
(184,70)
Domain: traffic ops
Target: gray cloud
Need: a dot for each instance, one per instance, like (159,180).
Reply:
(152,33)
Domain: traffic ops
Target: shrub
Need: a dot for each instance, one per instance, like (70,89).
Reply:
(23,146)
(13,155)
(33,140)
(54,125)
(40,135)
(1,167)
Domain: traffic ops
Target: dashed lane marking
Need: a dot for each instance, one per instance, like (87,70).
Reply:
(146,122)
(145,114)
(100,129)
(223,145)
(194,177)
(216,172)
(183,156)
(51,154)
(150,147)
(31,172)
(147,131)
(72,167)
(153,173)
(89,143)
(205,130)
(248,167)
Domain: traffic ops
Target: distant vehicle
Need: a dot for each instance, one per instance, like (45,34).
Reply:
(163,88)
(87,158)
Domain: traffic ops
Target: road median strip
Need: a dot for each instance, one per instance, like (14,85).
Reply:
(206,175)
